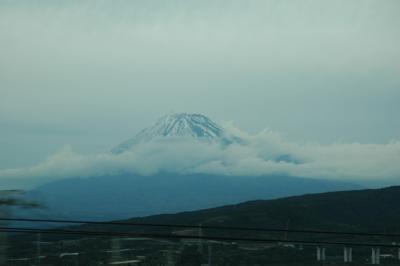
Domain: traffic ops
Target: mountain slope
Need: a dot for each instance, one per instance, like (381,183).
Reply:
(372,210)
(123,196)
(181,125)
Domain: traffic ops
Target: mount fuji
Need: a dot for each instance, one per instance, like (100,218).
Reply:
(123,195)
(182,125)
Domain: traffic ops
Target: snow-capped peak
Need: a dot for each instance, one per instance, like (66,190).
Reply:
(186,125)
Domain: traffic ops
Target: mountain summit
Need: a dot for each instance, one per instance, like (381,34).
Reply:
(182,125)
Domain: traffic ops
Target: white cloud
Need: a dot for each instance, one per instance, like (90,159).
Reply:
(257,156)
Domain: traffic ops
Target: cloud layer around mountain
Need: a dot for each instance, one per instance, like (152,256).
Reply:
(262,154)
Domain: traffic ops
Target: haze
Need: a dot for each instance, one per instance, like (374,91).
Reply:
(93,73)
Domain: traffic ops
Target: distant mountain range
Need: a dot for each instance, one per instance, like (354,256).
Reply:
(123,195)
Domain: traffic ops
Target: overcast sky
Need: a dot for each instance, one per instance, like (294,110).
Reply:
(93,73)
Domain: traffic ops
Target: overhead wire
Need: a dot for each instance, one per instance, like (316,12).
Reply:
(174,236)
(215,227)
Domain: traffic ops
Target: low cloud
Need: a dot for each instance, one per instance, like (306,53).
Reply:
(262,154)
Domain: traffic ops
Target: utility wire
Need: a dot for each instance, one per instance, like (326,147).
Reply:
(203,227)
(170,236)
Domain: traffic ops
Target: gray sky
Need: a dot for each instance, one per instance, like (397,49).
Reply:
(93,73)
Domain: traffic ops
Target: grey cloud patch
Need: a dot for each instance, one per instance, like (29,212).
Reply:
(260,154)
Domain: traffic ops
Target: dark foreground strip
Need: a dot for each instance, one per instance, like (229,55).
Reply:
(170,236)
(204,227)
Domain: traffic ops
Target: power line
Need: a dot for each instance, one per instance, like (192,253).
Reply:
(170,236)
(203,226)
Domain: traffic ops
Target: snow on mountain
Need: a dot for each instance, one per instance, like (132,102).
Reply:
(195,126)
